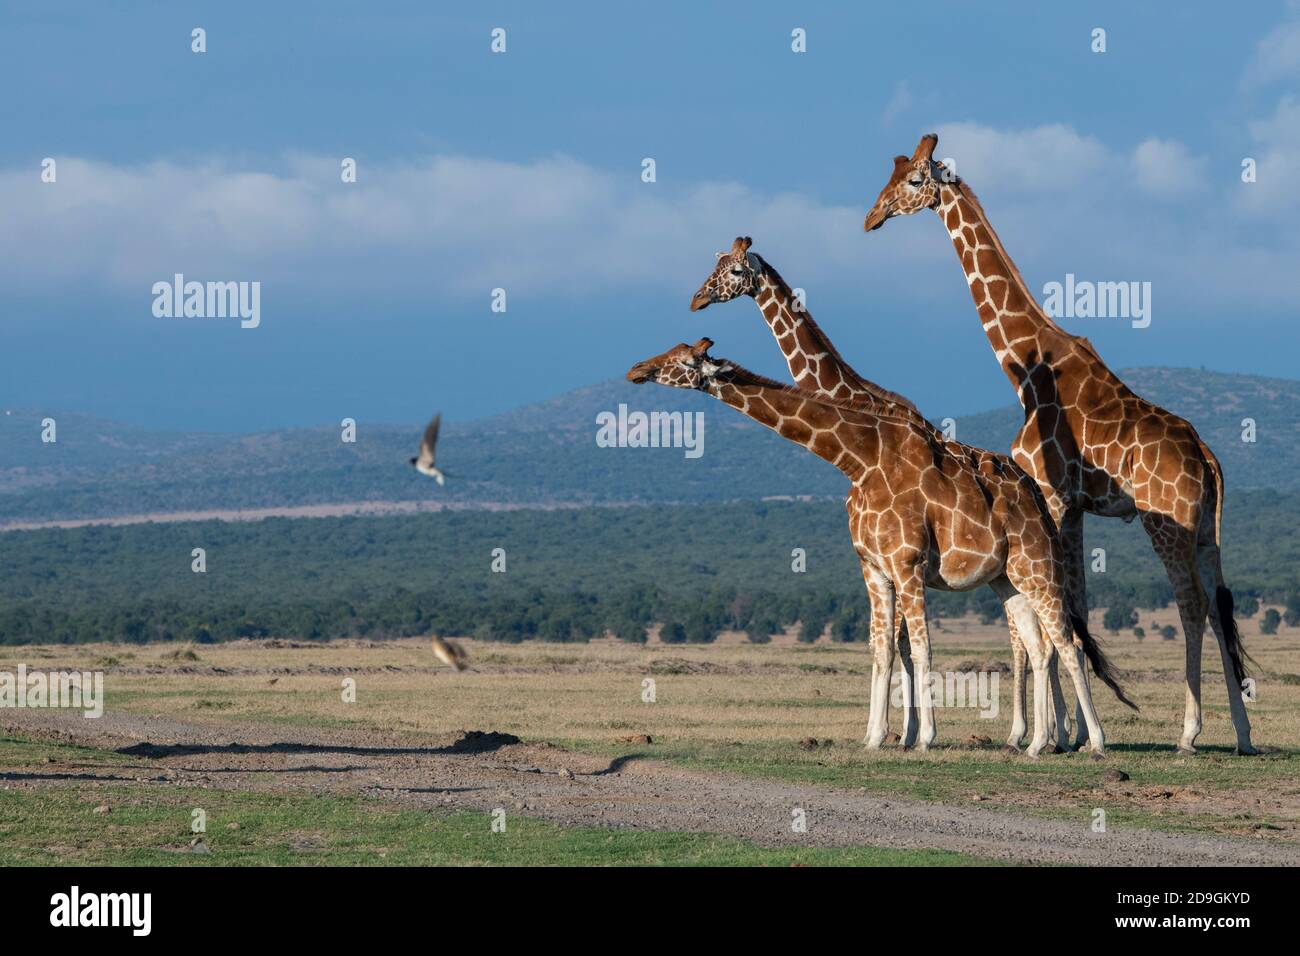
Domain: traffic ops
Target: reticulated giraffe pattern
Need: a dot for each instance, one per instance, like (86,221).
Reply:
(1092,444)
(919,516)
(817,367)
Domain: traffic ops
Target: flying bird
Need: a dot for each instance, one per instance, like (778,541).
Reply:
(449,652)
(424,461)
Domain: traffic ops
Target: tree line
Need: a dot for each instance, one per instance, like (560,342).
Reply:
(694,570)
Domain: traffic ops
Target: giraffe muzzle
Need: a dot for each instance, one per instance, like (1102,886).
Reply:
(701,300)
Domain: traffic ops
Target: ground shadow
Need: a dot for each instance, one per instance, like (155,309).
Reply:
(473,742)
(617,764)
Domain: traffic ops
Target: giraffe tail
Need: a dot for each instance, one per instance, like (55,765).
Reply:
(1231,636)
(1101,665)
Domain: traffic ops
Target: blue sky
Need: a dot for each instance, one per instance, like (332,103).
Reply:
(522,171)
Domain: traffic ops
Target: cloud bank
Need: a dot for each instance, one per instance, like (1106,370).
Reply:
(451,228)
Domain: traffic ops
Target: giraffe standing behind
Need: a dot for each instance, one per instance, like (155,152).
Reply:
(816,367)
(1092,444)
(919,516)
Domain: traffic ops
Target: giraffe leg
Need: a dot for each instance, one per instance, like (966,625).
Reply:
(911,602)
(1176,549)
(1076,592)
(1211,575)
(1059,723)
(1058,634)
(1019,661)
(1049,610)
(1080,720)
(1018,610)
(882,651)
(911,715)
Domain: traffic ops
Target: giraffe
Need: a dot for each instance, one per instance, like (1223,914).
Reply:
(1092,444)
(919,516)
(816,367)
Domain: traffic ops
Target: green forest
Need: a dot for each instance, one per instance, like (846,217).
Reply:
(561,575)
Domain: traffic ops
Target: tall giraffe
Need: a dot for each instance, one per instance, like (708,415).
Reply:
(816,367)
(919,516)
(1092,444)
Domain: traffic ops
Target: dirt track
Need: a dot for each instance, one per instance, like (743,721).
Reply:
(569,788)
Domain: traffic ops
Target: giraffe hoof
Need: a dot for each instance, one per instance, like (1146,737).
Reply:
(1248,751)
(1096,755)
(1011,749)
(1183,751)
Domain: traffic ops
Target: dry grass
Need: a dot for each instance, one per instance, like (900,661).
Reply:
(745,708)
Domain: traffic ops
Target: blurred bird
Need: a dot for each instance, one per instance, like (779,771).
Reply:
(424,461)
(449,652)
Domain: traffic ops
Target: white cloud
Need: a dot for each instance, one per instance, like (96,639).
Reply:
(1166,168)
(1042,158)
(447,229)
(443,226)
(1277,56)
(1275,147)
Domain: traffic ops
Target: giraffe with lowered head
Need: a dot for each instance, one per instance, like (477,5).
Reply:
(1092,444)
(816,367)
(919,515)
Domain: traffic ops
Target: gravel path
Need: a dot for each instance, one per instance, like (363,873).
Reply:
(633,791)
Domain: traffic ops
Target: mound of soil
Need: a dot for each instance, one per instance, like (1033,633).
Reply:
(679,665)
(989,666)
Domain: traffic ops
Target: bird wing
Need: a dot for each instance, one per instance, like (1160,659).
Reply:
(449,652)
(429,443)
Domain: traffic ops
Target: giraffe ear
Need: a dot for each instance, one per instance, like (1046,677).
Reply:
(742,244)
(701,347)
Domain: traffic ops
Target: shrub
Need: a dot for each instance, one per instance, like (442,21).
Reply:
(673,633)
(1119,617)
(1268,624)
(630,629)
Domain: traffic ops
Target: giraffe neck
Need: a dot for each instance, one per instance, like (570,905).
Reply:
(1023,336)
(815,364)
(841,435)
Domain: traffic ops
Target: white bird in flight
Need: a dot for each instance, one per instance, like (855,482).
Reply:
(424,461)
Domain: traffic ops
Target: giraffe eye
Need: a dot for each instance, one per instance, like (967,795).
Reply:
(737,271)
(915,183)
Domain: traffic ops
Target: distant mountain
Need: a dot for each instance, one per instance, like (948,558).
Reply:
(541,454)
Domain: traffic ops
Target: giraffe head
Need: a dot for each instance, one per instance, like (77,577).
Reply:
(737,273)
(682,366)
(913,186)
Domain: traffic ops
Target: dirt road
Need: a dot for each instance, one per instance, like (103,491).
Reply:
(633,791)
